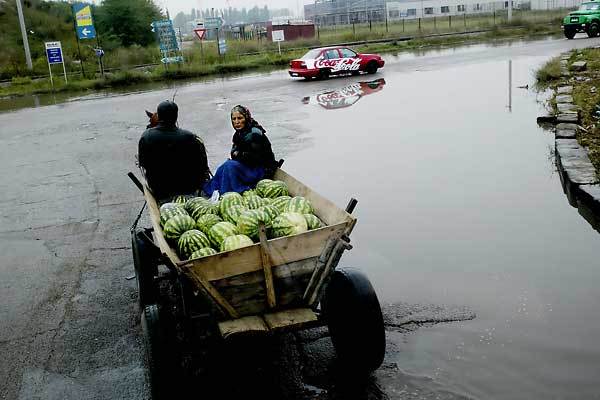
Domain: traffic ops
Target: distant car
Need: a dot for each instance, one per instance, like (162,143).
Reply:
(585,19)
(324,62)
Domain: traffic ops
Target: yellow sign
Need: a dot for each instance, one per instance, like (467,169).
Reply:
(84,16)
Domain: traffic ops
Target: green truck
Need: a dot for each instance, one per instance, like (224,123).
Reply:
(585,19)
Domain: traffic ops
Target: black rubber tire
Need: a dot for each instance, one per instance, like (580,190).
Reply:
(372,68)
(324,74)
(570,33)
(593,30)
(160,366)
(146,268)
(353,314)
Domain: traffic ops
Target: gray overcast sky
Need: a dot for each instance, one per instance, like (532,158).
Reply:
(186,6)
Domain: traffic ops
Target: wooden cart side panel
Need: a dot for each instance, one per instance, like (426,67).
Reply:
(327,211)
(282,251)
(247,294)
(159,236)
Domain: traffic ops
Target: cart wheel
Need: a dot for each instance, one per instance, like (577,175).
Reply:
(146,268)
(160,364)
(353,314)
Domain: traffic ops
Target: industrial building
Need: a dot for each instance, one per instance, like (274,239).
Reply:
(341,12)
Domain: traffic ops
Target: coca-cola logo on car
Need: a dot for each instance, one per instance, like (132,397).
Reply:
(339,64)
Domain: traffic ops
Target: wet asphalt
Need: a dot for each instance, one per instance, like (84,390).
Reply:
(70,322)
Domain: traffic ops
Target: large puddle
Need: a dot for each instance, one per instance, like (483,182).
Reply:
(459,205)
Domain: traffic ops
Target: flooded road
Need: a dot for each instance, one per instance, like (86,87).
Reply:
(459,205)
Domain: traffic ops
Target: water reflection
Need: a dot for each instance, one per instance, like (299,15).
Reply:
(346,96)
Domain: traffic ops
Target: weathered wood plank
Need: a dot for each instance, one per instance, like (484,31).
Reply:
(326,210)
(290,319)
(266,262)
(159,236)
(251,324)
(216,296)
(246,293)
(283,251)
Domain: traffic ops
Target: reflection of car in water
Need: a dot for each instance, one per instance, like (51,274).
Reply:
(346,96)
(324,62)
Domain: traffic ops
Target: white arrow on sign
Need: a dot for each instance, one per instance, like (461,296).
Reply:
(85,31)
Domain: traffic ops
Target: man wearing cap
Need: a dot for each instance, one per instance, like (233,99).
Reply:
(173,160)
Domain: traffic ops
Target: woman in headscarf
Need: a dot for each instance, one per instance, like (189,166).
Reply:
(252,158)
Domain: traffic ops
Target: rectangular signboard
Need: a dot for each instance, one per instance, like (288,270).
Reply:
(278,36)
(165,34)
(54,53)
(213,23)
(83,21)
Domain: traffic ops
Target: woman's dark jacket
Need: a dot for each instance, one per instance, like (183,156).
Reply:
(253,148)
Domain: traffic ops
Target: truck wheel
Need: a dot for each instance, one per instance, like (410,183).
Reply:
(372,68)
(146,268)
(593,30)
(353,314)
(570,33)
(161,368)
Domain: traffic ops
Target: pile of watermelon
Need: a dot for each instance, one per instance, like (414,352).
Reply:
(199,228)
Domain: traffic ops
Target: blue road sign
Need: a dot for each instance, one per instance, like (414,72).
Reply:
(54,53)
(165,34)
(213,22)
(83,21)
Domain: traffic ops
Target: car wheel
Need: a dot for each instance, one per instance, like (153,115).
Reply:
(570,33)
(353,314)
(324,74)
(372,68)
(593,30)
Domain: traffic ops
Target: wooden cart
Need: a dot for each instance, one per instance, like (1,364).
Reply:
(284,284)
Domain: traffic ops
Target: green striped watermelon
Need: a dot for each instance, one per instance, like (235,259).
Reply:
(230,199)
(169,210)
(232,213)
(192,203)
(219,232)
(251,192)
(275,189)
(178,225)
(299,205)
(180,200)
(205,252)
(236,242)
(281,203)
(261,186)
(190,242)
(288,224)
(199,209)
(313,222)
(271,211)
(254,202)
(207,221)
(249,222)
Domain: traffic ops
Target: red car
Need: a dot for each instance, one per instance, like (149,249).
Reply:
(324,62)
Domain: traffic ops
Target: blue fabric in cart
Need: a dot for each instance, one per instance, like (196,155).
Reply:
(234,176)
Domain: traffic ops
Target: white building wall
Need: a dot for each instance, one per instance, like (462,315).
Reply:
(435,8)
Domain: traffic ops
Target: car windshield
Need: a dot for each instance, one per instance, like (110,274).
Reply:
(589,6)
(311,54)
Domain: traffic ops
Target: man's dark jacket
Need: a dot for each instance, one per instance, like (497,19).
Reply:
(174,161)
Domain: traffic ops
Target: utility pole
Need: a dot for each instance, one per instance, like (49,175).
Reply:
(24,33)
(509,11)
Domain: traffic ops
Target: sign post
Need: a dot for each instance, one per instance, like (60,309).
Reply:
(55,56)
(278,36)
(217,23)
